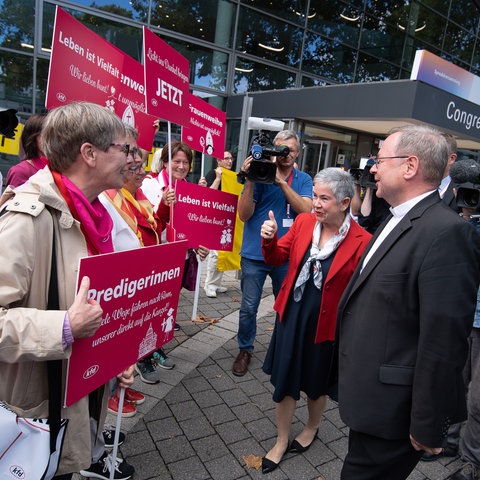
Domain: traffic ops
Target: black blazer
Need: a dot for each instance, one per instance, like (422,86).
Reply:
(449,197)
(403,324)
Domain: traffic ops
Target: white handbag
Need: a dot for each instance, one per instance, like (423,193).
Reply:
(25,450)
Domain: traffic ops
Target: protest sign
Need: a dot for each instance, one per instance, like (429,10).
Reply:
(206,130)
(166,80)
(138,291)
(204,216)
(85,67)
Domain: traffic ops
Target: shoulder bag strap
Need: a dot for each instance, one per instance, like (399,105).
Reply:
(54,366)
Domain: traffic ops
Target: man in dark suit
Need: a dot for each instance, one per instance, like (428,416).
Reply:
(404,319)
(445,189)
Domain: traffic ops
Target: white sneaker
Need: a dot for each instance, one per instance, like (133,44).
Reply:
(221,289)
(210,291)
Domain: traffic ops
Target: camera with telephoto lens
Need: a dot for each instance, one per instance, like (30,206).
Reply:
(262,169)
(362,176)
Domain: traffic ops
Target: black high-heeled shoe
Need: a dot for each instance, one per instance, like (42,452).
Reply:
(295,447)
(269,465)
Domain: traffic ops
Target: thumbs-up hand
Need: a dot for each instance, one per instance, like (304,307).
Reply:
(269,227)
(85,313)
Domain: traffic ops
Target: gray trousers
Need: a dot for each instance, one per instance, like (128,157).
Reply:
(466,436)
(470,438)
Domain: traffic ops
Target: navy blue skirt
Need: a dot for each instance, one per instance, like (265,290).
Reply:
(294,361)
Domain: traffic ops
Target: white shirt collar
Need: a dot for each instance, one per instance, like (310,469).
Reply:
(401,210)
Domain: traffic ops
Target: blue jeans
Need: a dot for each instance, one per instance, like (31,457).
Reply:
(254,274)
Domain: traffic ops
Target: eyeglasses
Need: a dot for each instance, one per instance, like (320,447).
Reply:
(135,152)
(228,158)
(124,147)
(378,160)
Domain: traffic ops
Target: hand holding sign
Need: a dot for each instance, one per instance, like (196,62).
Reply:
(269,227)
(126,378)
(168,196)
(85,313)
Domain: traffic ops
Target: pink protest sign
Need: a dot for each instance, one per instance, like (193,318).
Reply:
(204,216)
(166,80)
(138,291)
(206,130)
(85,67)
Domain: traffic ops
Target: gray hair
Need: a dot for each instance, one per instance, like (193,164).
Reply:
(131,131)
(338,180)
(287,135)
(430,147)
(68,127)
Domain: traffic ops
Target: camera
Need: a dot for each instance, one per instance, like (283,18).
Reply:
(262,169)
(362,175)
(466,174)
(8,122)
(468,195)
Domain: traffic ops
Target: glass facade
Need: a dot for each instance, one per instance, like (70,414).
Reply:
(238,46)
(247,45)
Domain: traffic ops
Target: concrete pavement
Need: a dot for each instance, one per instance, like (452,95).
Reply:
(201,420)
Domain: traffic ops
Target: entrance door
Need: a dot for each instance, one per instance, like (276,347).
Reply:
(316,154)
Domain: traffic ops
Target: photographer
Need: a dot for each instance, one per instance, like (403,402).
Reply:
(370,210)
(289,195)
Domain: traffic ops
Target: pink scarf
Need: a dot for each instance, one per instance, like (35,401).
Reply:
(95,222)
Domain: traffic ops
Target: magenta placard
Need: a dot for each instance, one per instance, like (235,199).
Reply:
(85,67)
(204,216)
(138,291)
(166,80)
(205,131)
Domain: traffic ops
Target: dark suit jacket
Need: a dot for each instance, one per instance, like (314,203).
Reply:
(449,197)
(293,246)
(403,324)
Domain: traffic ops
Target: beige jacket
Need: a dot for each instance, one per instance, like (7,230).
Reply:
(29,335)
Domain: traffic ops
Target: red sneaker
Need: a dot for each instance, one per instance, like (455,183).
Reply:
(128,409)
(134,396)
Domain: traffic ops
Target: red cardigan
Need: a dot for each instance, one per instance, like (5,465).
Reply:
(293,245)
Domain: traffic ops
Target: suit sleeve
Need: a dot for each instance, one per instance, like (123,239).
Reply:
(448,283)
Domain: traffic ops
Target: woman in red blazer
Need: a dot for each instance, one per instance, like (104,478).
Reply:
(324,248)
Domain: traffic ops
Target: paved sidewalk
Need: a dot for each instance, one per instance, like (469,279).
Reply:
(200,421)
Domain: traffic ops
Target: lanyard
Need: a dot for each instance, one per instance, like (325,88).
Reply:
(289,183)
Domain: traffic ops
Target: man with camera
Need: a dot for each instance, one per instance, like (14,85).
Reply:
(288,195)
(371,210)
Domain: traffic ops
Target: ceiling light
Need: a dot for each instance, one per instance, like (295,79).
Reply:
(273,49)
(419,29)
(350,19)
(245,70)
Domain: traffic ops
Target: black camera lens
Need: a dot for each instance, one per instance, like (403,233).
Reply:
(468,197)
(262,171)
